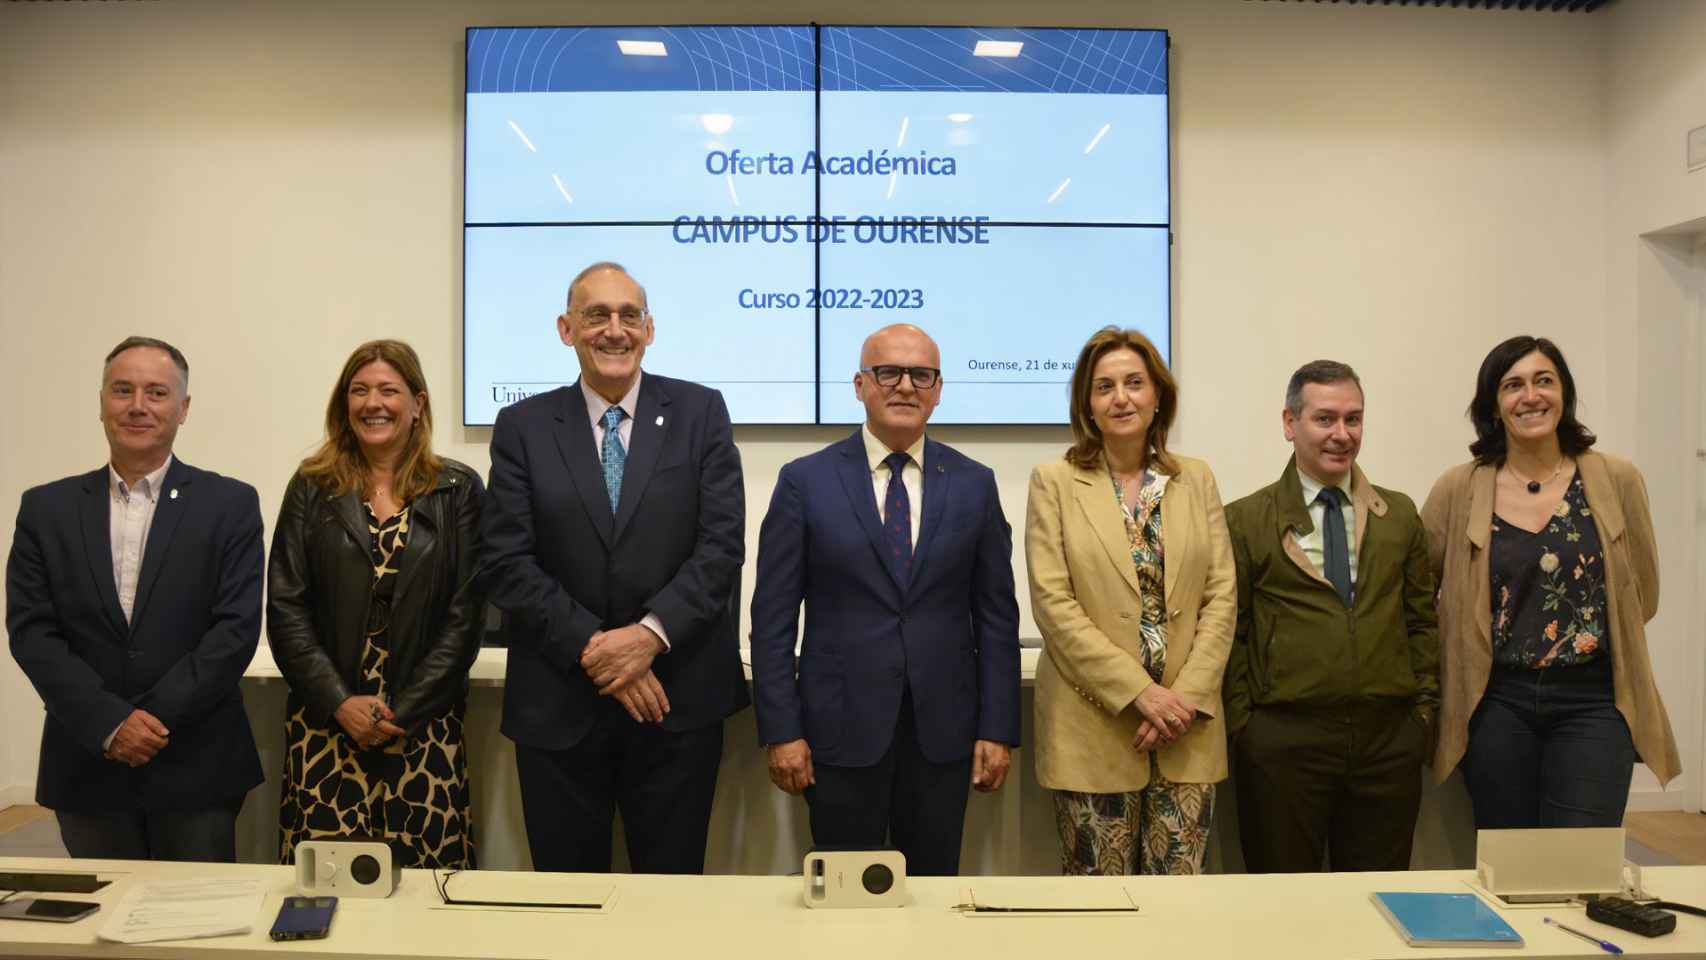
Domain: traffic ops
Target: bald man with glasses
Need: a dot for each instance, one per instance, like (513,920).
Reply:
(907,690)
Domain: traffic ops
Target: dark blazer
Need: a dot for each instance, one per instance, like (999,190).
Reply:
(952,634)
(561,567)
(320,583)
(193,630)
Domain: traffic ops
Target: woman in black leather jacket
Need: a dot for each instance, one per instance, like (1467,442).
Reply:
(374,619)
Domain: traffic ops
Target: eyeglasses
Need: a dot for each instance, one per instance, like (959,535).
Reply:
(631,318)
(887,375)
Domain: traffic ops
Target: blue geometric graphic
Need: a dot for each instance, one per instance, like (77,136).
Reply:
(566,59)
(888,59)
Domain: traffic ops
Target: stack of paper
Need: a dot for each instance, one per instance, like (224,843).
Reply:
(184,910)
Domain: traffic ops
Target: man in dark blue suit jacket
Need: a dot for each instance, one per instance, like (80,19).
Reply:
(133,603)
(908,674)
(614,531)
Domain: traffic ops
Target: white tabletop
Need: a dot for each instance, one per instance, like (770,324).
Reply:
(1191,918)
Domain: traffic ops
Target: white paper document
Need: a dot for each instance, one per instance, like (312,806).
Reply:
(184,910)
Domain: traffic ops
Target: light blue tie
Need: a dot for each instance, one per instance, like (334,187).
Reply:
(614,455)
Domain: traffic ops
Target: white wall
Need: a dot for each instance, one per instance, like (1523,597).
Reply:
(1655,93)
(268,183)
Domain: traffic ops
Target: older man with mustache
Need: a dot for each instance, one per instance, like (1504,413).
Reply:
(1334,672)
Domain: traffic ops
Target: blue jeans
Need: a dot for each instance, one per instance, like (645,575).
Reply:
(1547,748)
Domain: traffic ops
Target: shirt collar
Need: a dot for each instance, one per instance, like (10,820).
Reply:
(597,405)
(876,451)
(149,485)
(1312,487)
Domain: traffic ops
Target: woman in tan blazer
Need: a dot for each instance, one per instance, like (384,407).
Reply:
(1548,573)
(1132,584)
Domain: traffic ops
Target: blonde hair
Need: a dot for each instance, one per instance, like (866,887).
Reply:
(1086,449)
(339,464)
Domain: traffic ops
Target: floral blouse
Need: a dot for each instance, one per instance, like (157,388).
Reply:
(1143,530)
(1549,589)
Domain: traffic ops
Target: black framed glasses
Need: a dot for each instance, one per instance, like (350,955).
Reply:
(629,317)
(888,375)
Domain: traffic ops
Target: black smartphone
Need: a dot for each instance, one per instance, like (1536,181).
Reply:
(304,918)
(53,911)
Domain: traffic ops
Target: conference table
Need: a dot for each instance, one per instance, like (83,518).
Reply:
(1215,916)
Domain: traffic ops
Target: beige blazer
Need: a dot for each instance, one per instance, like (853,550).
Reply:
(1459,516)
(1084,596)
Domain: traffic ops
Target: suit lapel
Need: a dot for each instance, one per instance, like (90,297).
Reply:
(1095,495)
(1480,529)
(855,475)
(936,480)
(575,443)
(171,500)
(651,425)
(421,535)
(1176,514)
(95,512)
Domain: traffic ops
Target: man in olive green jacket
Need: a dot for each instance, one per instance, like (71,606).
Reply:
(1334,671)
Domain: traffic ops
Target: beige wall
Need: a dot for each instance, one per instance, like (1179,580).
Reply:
(1655,291)
(267,183)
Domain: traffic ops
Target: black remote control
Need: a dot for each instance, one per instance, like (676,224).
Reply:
(1631,916)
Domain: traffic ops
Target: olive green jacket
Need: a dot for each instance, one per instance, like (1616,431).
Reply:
(1295,642)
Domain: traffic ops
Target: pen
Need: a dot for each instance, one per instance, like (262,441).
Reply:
(1605,945)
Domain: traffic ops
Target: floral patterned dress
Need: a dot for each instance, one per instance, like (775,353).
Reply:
(1549,589)
(1163,828)
(413,790)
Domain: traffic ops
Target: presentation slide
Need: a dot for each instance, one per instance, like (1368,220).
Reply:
(782,191)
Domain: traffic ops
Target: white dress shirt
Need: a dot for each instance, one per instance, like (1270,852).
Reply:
(1312,543)
(129,517)
(911,477)
(596,407)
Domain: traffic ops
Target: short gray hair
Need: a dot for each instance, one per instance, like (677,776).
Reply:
(569,301)
(1317,371)
(131,343)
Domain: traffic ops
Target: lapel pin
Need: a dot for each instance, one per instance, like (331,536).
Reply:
(660,421)
(174,494)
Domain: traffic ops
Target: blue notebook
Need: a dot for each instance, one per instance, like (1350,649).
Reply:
(1446,920)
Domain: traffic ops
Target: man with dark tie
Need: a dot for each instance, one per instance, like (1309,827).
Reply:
(907,690)
(1334,673)
(613,534)
(133,603)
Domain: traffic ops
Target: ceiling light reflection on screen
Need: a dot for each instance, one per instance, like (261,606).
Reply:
(959,118)
(1097,138)
(562,189)
(900,141)
(1059,190)
(732,194)
(997,48)
(646,48)
(523,136)
(717,124)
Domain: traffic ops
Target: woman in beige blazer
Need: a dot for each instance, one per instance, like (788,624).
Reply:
(1132,584)
(1548,573)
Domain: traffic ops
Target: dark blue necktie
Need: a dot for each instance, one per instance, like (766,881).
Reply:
(897,529)
(1335,548)
(613,455)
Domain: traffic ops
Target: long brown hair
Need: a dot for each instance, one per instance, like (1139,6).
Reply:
(339,464)
(1086,447)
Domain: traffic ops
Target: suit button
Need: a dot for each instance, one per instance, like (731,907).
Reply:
(903,618)
(134,653)
(897,673)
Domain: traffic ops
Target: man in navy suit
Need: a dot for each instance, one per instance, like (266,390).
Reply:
(614,530)
(908,678)
(133,603)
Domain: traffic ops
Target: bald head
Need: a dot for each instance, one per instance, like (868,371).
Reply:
(900,339)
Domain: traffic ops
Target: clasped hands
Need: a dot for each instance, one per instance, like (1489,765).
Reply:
(1166,717)
(368,720)
(619,664)
(138,739)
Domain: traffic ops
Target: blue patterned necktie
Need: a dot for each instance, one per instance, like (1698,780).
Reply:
(614,455)
(897,529)
(1335,546)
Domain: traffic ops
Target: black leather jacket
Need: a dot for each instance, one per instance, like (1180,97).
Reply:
(320,578)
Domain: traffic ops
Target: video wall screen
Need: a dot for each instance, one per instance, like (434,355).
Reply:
(782,191)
